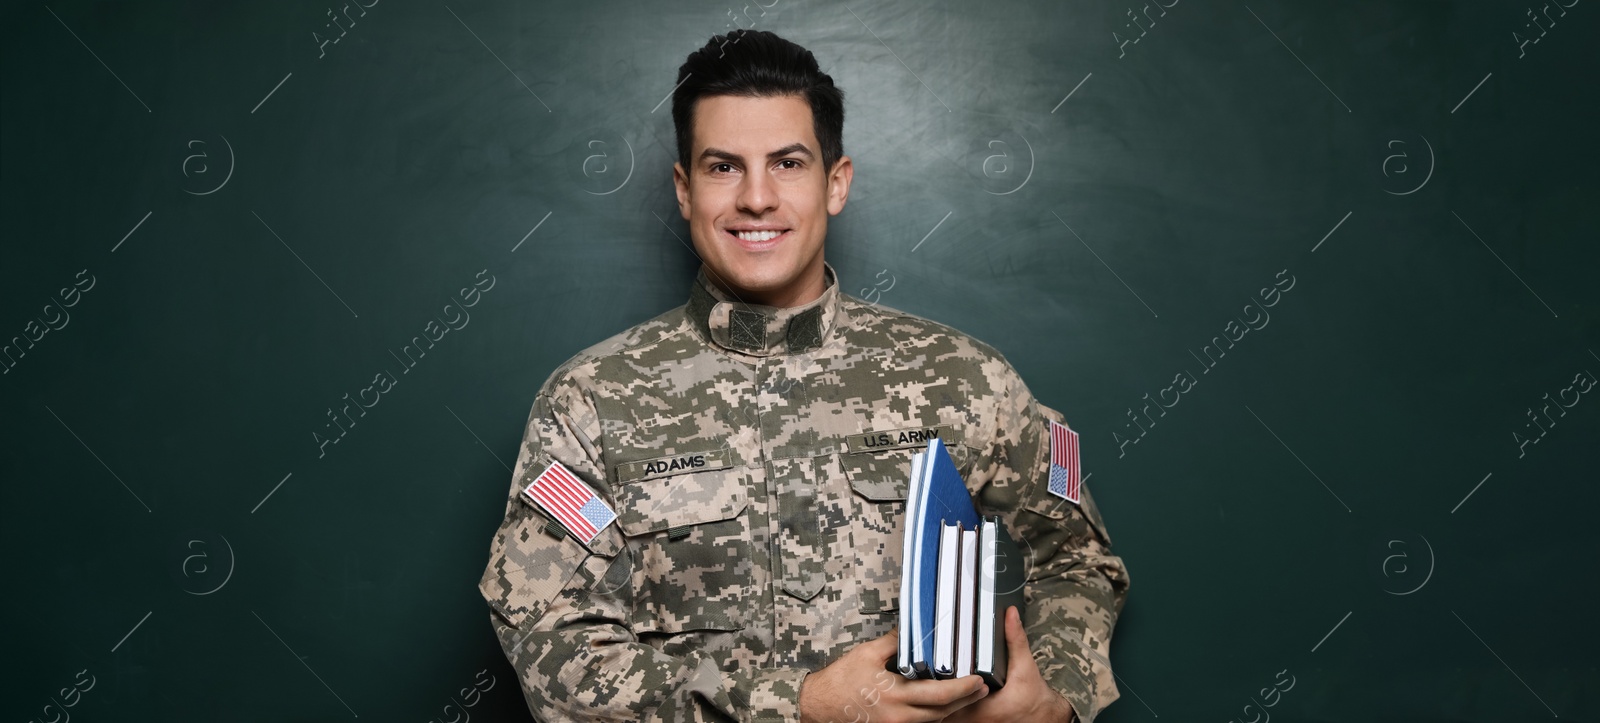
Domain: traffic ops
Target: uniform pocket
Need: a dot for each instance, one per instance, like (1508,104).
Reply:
(1085,526)
(880,480)
(688,543)
(528,566)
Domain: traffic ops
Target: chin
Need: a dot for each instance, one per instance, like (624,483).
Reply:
(759,277)
(761,280)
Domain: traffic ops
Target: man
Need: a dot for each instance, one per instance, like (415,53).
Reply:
(754,449)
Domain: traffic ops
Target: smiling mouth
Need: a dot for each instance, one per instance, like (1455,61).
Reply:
(758,240)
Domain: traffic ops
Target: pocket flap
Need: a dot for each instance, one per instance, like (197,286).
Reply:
(885,475)
(528,567)
(881,476)
(686,498)
(1056,508)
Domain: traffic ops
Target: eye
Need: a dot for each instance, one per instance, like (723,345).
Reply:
(790,160)
(717,168)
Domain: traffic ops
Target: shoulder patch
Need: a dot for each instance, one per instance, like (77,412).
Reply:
(1064,481)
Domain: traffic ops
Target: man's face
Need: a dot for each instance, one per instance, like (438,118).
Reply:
(757,197)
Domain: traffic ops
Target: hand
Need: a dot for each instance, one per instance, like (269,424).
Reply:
(858,687)
(1026,698)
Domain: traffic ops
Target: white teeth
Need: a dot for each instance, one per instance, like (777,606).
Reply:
(758,235)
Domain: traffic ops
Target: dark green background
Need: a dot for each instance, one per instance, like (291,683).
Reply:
(427,143)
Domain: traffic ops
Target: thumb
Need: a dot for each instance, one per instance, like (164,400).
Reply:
(1020,656)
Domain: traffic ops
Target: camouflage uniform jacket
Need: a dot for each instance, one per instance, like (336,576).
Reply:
(757,459)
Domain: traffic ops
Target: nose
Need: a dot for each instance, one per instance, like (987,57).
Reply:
(757,194)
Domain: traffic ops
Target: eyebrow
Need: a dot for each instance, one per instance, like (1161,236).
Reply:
(799,148)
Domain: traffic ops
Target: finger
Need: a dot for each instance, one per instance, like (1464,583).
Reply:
(883,646)
(979,694)
(941,712)
(942,693)
(1017,650)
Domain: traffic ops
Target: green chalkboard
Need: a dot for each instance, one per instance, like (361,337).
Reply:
(1316,282)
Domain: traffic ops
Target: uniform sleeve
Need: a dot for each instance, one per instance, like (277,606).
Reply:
(1075,587)
(561,608)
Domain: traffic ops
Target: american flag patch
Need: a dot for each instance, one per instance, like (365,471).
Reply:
(572,502)
(1065,481)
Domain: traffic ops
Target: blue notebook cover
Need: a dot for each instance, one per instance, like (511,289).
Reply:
(944,499)
(908,532)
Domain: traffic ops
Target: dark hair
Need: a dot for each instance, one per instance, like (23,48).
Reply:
(758,64)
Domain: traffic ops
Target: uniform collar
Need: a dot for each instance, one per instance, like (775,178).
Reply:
(759,330)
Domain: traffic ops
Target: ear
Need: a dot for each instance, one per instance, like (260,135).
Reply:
(839,184)
(680,181)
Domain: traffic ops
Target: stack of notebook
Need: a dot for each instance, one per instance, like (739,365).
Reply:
(960,573)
